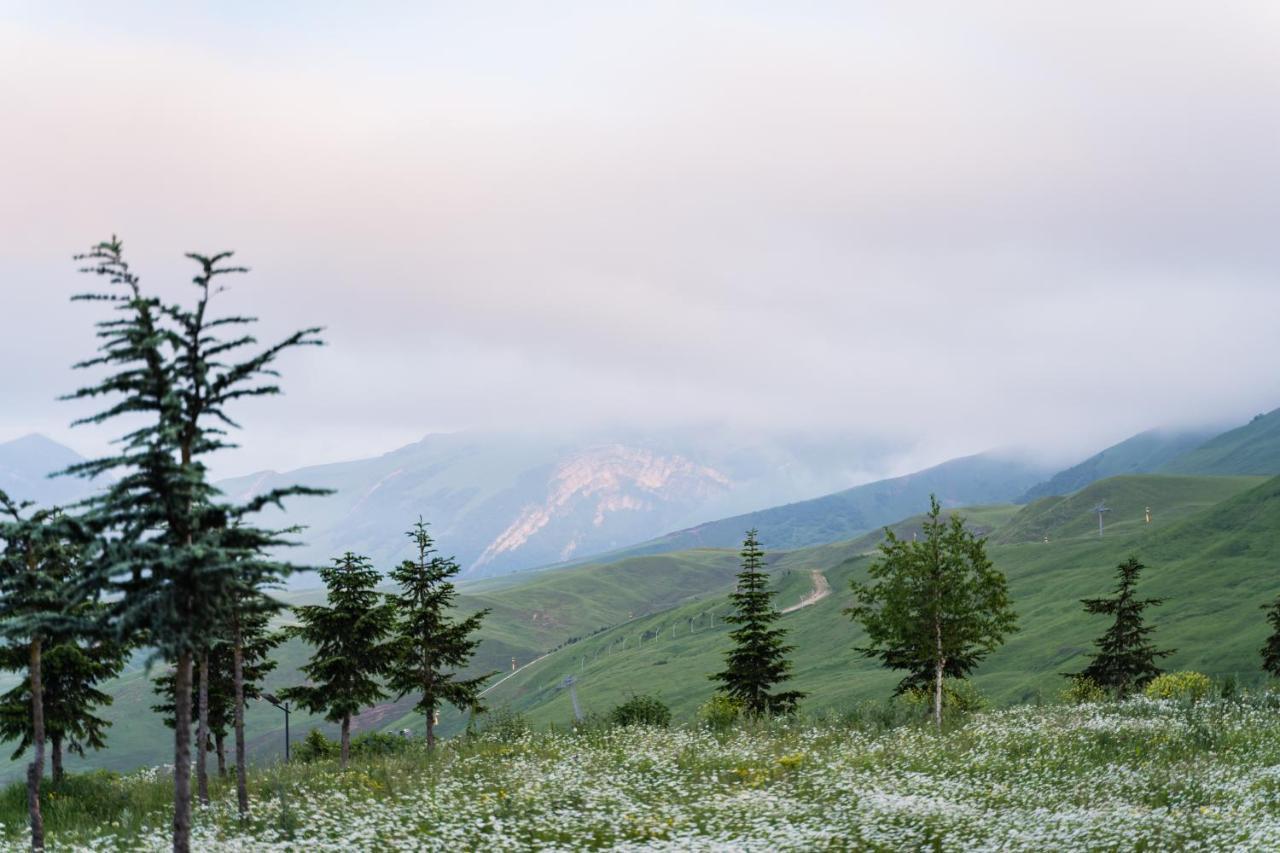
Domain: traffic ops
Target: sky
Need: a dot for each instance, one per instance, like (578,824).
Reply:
(1036,225)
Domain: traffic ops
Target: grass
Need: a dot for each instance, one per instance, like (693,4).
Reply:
(1139,775)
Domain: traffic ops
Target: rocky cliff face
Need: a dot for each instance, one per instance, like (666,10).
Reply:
(590,495)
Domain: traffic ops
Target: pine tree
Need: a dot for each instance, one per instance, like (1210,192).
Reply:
(758,662)
(350,642)
(166,566)
(430,647)
(74,664)
(1126,659)
(934,607)
(1271,651)
(35,565)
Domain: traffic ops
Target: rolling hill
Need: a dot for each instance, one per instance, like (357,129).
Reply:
(1141,454)
(1251,449)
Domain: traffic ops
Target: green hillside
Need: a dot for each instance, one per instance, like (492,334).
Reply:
(1215,565)
(1127,498)
(1251,449)
(1141,454)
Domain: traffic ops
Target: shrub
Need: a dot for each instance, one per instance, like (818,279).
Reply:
(1081,689)
(315,747)
(1185,686)
(504,725)
(958,697)
(641,710)
(720,712)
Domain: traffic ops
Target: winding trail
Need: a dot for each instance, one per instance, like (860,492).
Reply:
(821,589)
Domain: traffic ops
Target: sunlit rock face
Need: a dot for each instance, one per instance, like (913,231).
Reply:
(605,497)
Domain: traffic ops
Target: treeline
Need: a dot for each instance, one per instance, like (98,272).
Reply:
(158,562)
(934,607)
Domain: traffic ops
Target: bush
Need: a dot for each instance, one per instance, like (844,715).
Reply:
(1081,690)
(504,725)
(958,697)
(641,710)
(316,747)
(1183,686)
(719,712)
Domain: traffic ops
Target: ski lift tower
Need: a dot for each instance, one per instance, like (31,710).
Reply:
(1100,509)
(569,682)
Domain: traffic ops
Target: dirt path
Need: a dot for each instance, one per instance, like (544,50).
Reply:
(821,589)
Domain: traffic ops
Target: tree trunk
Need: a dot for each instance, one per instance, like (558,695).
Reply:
(202,731)
(237,680)
(56,755)
(35,771)
(431,730)
(182,755)
(939,667)
(346,739)
(220,743)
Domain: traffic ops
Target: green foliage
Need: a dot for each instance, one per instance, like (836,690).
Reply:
(935,607)
(430,647)
(959,698)
(349,638)
(1181,686)
(505,725)
(316,747)
(1081,690)
(720,712)
(1271,649)
(758,661)
(1125,660)
(641,710)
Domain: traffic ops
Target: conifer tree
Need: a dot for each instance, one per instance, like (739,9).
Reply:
(758,662)
(1126,659)
(1271,651)
(350,641)
(935,607)
(430,647)
(166,566)
(34,567)
(75,663)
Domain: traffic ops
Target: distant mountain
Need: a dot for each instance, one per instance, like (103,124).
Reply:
(1251,449)
(1141,454)
(504,502)
(25,466)
(972,480)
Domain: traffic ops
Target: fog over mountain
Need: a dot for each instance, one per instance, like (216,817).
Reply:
(953,227)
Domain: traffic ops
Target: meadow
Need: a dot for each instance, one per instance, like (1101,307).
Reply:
(1138,775)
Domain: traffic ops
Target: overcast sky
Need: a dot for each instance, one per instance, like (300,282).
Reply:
(969,224)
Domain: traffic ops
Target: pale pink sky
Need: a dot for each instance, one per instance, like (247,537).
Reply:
(977,224)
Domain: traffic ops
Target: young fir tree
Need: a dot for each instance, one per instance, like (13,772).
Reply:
(430,648)
(35,564)
(1271,651)
(75,662)
(1126,659)
(935,607)
(166,566)
(758,662)
(351,649)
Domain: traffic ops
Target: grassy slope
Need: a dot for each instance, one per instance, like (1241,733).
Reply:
(1251,449)
(1214,565)
(1141,454)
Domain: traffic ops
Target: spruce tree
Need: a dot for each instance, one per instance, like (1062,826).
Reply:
(1271,651)
(166,566)
(430,647)
(758,662)
(935,607)
(349,637)
(75,663)
(1126,659)
(35,564)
